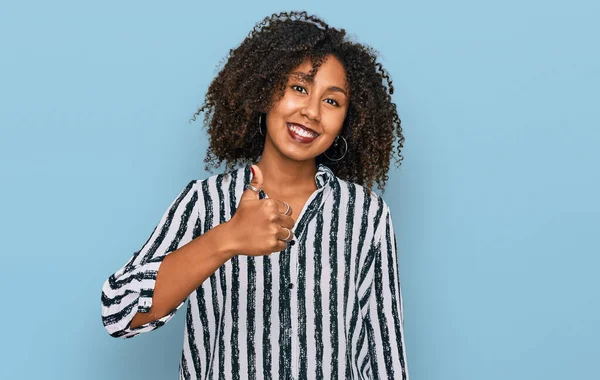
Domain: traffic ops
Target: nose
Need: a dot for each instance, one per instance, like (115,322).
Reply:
(312,109)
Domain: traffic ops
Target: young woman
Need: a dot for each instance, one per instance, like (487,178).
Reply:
(289,264)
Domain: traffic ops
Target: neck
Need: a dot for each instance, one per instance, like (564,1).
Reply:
(283,176)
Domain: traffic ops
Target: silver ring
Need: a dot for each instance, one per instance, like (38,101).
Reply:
(289,234)
(253,188)
(288,208)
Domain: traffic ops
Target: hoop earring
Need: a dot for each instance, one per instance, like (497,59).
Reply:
(260,124)
(335,144)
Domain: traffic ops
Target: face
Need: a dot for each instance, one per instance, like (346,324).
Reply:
(306,120)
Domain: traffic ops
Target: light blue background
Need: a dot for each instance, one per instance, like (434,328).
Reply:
(496,206)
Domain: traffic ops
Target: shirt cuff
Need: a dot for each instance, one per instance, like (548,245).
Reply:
(147,284)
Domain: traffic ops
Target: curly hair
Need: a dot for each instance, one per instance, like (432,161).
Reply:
(254,78)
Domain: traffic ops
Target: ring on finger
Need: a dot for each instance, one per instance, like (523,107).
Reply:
(287,238)
(288,208)
(256,189)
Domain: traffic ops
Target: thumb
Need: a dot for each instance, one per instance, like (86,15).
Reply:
(257,182)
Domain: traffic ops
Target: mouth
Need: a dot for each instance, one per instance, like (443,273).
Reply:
(301,133)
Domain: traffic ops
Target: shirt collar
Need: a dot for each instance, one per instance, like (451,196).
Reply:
(324,176)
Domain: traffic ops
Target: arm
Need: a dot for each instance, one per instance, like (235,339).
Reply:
(386,347)
(146,292)
(153,285)
(184,270)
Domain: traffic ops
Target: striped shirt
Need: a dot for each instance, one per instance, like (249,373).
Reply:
(328,306)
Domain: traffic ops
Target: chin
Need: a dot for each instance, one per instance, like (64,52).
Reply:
(295,155)
(299,157)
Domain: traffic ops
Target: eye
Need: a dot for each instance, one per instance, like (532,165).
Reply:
(298,88)
(333,102)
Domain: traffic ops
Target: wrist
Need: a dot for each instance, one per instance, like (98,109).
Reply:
(228,246)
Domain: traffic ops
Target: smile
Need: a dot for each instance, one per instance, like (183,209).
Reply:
(301,134)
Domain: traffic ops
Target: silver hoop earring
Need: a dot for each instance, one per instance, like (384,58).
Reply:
(260,125)
(335,144)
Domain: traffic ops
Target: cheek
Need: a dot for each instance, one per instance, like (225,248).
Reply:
(288,103)
(335,121)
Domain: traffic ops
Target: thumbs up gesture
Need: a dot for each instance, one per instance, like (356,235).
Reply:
(261,226)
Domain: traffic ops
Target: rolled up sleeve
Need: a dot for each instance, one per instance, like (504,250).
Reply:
(130,290)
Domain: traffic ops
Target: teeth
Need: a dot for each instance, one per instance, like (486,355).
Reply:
(301,132)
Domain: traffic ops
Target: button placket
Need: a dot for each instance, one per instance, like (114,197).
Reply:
(294,307)
(323,176)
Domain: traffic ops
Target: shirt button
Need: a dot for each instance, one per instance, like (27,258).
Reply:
(292,242)
(290,286)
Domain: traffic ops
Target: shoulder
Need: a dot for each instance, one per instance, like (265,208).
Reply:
(219,181)
(361,196)
(355,190)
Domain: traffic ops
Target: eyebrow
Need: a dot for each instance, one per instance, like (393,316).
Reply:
(307,78)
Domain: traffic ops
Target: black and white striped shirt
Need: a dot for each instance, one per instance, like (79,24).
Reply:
(327,307)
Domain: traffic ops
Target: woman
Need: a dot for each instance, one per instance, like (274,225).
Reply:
(289,265)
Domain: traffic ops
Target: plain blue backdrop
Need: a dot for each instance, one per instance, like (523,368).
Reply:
(495,207)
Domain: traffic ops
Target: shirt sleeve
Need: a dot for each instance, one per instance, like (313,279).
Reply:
(130,289)
(385,314)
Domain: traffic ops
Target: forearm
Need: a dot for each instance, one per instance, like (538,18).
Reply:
(185,269)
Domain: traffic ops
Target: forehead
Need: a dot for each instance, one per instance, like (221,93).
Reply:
(330,73)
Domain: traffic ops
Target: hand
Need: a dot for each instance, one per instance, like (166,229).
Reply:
(259,226)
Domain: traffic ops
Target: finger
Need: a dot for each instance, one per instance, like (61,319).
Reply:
(288,209)
(282,207)
(256,181)
(281,245)
(278,246)
(285,234)
(286,221)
